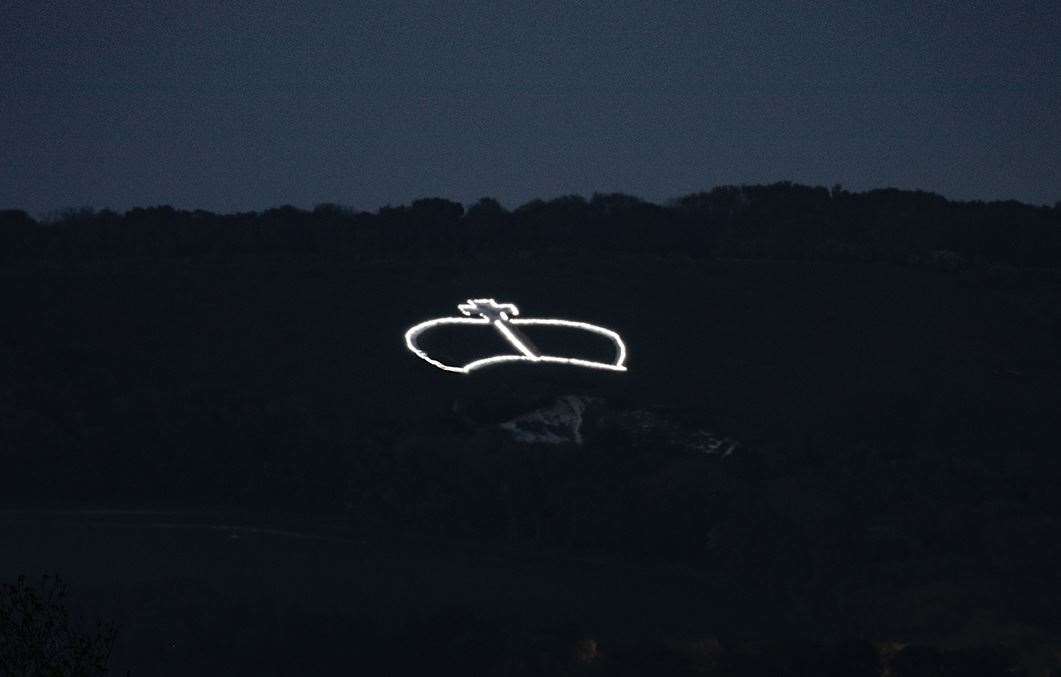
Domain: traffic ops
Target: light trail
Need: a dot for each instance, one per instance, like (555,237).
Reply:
(502,317)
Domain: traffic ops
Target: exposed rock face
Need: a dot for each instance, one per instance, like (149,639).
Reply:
(570,418)
(558,423)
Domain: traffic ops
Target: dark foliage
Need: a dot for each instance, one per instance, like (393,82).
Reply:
(779,221)
(38,636)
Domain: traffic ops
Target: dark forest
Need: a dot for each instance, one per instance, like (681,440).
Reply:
(782,221)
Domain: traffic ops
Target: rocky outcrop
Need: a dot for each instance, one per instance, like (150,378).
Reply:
(570,419)
(557,423)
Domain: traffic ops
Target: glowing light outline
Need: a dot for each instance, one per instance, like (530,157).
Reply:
(526,355)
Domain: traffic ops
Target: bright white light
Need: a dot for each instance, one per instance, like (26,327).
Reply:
(502,316)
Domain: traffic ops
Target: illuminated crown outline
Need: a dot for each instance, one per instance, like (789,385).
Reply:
(502,316)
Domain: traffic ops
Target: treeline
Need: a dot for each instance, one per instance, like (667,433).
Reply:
(778,221)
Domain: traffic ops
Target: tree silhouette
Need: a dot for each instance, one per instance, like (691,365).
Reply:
(38,636)
(776,221)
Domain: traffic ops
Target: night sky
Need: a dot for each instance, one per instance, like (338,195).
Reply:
(241,106)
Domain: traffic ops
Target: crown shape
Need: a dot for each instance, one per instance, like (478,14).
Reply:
(502,317)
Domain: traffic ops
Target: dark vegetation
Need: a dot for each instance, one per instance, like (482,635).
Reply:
(40,636)
(779,221)
(888,361)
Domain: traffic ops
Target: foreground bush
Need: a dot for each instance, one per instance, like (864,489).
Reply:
(38,637)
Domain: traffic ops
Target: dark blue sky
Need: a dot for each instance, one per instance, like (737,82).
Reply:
(248,106)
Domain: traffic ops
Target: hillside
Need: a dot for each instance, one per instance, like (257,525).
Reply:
(895,473)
